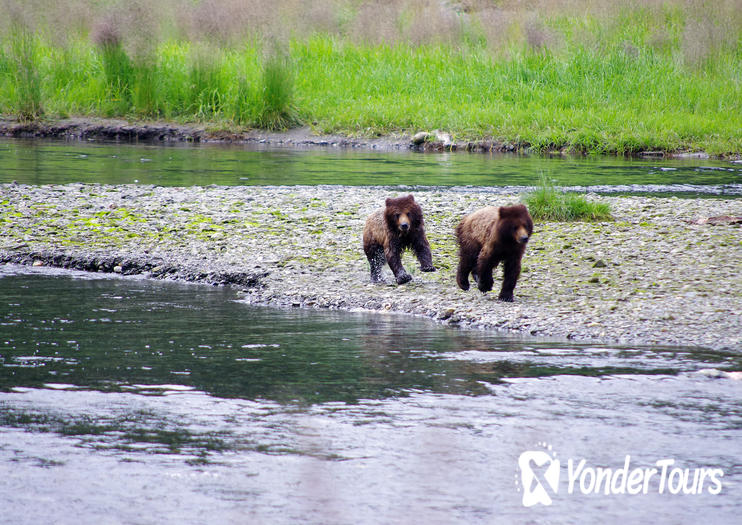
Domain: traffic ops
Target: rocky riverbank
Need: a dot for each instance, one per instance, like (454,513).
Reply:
(650,276)
(98,129)
(148,132)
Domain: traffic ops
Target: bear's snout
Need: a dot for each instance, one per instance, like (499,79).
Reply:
(521,235)
(404,226)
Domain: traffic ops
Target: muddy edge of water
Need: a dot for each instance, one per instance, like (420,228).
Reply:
(158,132)
(647,277)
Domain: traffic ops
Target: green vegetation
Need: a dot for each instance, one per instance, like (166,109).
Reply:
(277,110)
(596,77)
(546,203)
(24,90)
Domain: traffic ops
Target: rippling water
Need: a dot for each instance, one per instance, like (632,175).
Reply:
(45,162)
(132,401)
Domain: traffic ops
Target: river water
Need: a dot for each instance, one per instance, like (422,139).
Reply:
(130,401)
(46,162)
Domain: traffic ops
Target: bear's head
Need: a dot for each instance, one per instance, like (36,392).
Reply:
(403,214)
(514,224)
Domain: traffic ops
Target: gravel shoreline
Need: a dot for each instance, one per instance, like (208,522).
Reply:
(647,277)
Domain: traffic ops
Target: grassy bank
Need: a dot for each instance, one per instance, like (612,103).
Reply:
(594,77)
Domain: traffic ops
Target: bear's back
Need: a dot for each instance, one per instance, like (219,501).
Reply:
(478,225)
(376,228)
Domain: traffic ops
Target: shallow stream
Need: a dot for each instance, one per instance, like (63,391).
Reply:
(152,402)
(130,401)
(55,162)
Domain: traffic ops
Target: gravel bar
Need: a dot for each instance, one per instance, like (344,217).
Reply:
(650,276)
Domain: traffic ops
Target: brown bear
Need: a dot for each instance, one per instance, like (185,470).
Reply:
(488,236)
(391,230)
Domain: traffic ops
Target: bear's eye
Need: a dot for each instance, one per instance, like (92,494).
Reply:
(396,215)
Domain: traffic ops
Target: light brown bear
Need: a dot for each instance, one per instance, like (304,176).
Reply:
(391,230)
(488,236)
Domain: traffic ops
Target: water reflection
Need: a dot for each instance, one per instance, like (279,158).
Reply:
(45,162)
(131,399)
(115,334)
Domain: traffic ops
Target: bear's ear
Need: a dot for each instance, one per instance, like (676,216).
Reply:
(411,197)
(388,202)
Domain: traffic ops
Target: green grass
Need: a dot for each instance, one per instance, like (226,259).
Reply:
(619,84)
(24,89)
(546,203)
(277,110)
(206,86)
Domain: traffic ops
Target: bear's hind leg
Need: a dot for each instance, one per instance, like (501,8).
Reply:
(467,260)
(486,264)
(376,262)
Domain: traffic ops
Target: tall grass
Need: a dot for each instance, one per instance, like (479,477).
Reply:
(145,93)
(25,87)
(206,84)
(546,203)
(119,78)
(277,110)
(586,76)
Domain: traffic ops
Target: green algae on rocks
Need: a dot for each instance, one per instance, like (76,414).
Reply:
(661,279)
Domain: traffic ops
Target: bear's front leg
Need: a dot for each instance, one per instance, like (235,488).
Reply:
(393,257)
(510,277)
(422,250)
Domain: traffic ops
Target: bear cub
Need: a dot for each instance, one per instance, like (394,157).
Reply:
(391,230)
(488,236)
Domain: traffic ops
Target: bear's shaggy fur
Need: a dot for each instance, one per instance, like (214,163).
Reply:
(391,230)
(488,236)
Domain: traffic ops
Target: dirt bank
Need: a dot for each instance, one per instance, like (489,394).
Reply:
(305,137)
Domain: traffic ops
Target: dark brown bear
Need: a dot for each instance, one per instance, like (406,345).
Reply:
(488,236)
(391,230)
